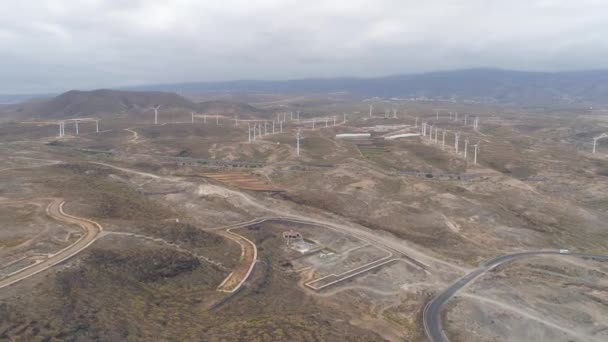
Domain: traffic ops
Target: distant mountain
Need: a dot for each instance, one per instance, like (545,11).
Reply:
(482,85)
(108,103)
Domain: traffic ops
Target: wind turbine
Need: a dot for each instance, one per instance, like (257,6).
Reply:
(436,134)
(456,138)
(155,108)
(249,131)
(76,125)
(371,109)
(595,140)
(298,136)
(466,147)
(443,140)
(476,151)
(96,126)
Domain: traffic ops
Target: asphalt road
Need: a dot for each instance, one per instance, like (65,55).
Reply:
(431,316)
(90,228)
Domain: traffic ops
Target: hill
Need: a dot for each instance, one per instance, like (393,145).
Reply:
(480,85)
(110,103)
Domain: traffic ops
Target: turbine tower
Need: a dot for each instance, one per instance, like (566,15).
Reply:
(298,136)
(249,131)
(76,125)
(466,147)
(371,109)
(456,138)
(155,108)
(443,140)
(96,126)
(476,146)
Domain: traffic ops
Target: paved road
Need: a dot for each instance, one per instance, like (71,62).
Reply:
(90,228)
(431,315)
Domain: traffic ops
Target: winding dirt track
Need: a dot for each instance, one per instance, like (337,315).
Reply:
(91,230)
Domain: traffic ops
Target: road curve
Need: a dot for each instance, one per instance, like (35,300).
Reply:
(91,231)
(431,316)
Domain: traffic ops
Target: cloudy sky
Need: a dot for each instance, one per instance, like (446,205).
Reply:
(55,45)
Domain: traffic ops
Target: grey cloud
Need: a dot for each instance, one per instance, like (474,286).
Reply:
(54,45)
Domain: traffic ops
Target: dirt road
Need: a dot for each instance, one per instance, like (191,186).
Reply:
(91,230)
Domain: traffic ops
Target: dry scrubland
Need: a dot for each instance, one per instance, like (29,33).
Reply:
(153,272)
